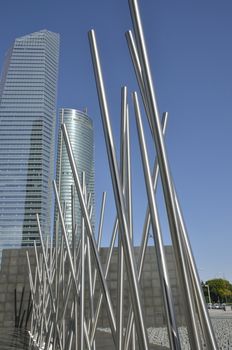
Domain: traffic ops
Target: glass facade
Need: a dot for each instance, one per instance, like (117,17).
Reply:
(80,130)
(27,131)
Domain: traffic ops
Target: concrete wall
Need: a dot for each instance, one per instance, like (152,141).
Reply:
(14,275)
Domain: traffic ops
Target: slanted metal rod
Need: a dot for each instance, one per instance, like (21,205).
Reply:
(157,234)
(89,263)
(134,287)
(99,235)
(108,260)
(137,68)
(129,201)
(103,283)
(82,291)
(145,236)
(74,252)
(120,281)
(194,336)
(68,250)
(47,274)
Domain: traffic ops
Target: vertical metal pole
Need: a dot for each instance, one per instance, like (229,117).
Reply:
(89,259)
(194,336)
(129,199)
(120,289)
(99,234)
(145,236)
(99,237)
(82,294)
(119,200)
(74,244)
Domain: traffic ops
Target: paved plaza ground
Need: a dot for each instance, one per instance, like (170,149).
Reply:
(158,338)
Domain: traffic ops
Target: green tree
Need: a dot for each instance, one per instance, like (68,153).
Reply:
(220,290)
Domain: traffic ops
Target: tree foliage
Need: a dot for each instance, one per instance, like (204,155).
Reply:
(220,290)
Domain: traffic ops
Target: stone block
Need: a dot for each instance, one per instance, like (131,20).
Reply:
(20,279)
(9,316)
(3,287)
(11,287)
(10,296)
(22,261)
(3,279)
(2,297)
(14,261)
(9,307)
(147,292)
(12,278)
(8,323)
(14,252)
(19,287)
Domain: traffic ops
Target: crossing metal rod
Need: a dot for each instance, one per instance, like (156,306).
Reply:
(137,68)
(120,281)
(108,260)
(99,237)
(82,294)
(89,232)
(157,234)
(32,286)
(194,336)
(74,253)
(47,275)
(134,287)
(128,198)
(90,278)
(145,236)
(68,252)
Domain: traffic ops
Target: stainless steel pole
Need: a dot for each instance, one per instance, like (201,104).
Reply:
(68,251)
(47,274)
(120,289)
(194,335)
(89,233)
(119,200)
(82,294)
(99,237)
(108,260)
(157,234)
(145,235)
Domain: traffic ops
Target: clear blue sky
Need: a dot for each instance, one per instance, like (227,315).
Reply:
(190,46)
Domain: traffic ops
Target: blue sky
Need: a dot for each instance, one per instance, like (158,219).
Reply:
(190,48)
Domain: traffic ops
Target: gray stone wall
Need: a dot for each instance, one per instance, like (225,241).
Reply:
(14,275)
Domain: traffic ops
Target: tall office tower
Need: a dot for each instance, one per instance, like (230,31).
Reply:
(27,131)
(80,130)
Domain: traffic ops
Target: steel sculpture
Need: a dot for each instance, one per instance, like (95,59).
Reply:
(65,267)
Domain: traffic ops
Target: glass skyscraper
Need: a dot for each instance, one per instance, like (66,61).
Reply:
(27,131)
(80,130)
